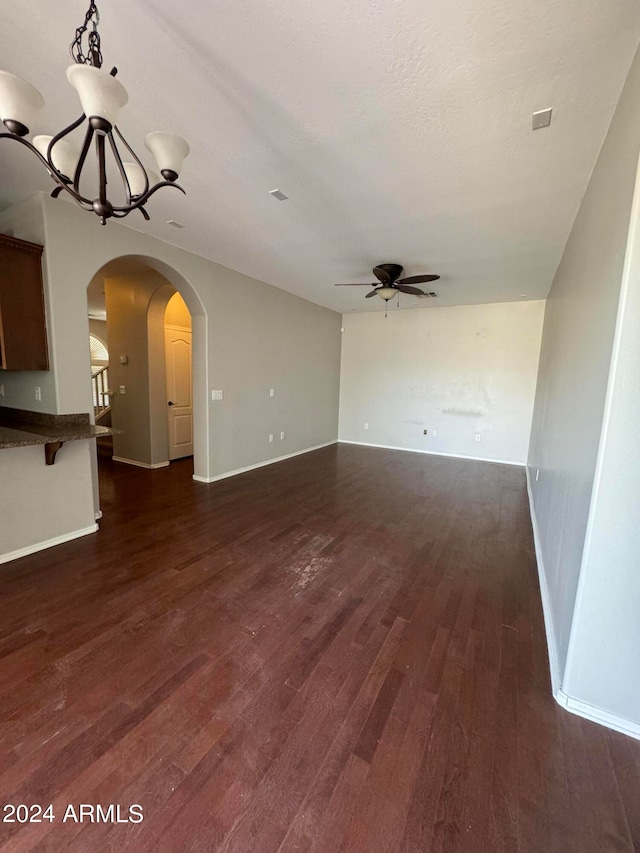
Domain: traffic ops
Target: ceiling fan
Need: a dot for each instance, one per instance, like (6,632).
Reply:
(390,284)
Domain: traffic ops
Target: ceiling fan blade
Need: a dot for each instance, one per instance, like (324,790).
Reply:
(405,288)
(418,279)
(373,293)
(357,284)
(382,275)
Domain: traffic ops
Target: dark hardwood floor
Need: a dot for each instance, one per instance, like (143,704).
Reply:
(340,653)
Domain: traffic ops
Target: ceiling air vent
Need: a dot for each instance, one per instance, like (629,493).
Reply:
(429,294)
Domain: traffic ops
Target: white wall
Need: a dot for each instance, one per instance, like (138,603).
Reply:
(40,503)
(574,366)
(459,371)
(603,666)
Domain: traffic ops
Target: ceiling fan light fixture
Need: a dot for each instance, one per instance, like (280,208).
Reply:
(386,293)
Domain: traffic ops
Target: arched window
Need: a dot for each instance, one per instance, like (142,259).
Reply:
(99,354)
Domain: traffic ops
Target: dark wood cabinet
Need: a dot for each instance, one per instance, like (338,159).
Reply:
(23,330)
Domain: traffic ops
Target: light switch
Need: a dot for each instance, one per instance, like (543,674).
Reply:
(217,395)
(272,392)
(123,389)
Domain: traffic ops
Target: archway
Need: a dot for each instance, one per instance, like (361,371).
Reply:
(161,282)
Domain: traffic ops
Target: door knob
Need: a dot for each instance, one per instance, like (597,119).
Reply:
(170,403)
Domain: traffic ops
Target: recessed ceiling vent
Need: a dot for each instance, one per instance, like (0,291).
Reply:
(430,294)
(175,223)
(279,195)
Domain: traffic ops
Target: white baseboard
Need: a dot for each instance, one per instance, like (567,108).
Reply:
(97,515)
(598,715)
(433,453)
(262,464)
(552,647)
(48,543)
(140,464)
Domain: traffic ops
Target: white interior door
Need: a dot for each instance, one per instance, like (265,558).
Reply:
(177,347)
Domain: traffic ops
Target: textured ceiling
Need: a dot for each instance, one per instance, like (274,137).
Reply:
(400,129)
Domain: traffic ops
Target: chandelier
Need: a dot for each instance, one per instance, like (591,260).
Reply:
(101,97)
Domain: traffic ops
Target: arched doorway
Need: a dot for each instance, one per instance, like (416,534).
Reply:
(143,287)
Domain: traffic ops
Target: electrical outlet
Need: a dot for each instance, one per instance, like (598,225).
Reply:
(270,437)
(477,436)
(425,432)
(38,393)
(272,392)
(366,426)
(122,389)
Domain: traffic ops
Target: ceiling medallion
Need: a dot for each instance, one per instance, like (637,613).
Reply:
(101,97)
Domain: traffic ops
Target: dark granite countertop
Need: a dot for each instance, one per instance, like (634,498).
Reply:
(22,428)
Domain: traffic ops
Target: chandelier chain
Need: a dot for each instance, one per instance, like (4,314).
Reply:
(94,55)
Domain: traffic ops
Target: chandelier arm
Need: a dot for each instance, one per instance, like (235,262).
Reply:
(53,172)
(127,212)
(85,203)
(48,166)
(67,130)
(102,170)
(80,200)
(136,158)
(83,156)
(123,174)
(144,198)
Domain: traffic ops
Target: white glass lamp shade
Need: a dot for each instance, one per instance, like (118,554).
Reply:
(101,95)
(135,176)
(19,103)
(63,155)
(169,151)
(386,293)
